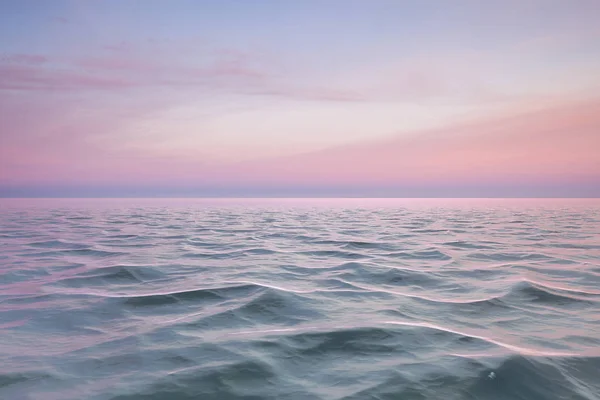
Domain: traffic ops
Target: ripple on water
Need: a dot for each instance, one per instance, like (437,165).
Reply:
(215,301)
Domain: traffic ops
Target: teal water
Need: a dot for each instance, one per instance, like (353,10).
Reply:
(299,299)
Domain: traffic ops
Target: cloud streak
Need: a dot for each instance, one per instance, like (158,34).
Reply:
(109,73)
(536,149)
(452,77)
(543,146)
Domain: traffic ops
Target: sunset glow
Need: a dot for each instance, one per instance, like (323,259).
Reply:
(306,98)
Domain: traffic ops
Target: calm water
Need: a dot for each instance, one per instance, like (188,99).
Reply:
(299,299)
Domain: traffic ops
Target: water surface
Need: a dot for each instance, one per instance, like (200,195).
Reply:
(299,299)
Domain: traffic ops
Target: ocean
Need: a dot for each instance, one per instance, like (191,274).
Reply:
(221,299)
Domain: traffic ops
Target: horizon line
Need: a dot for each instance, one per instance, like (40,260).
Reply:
(301,197)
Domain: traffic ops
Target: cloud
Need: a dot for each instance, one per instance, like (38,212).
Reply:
(310,93)
(74,144)
(552,145)
(119,71)
(29,78)
(60,20)
(243,72)
(452,78)
(118,47)
(229,72)
(67,140)
(23,59)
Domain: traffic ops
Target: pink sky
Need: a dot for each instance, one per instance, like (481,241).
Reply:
(193,96)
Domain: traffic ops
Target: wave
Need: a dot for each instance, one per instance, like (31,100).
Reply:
(301,303)
(526,290)
(334,254)
(230,254)
(380,328)
(463,244)
(526,378)
(428,297)
(523,290)
(509,257)
(117,274)
(87,252)
(420,255)
(59,244)
(355,244)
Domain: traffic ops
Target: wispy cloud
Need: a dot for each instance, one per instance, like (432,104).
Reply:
(60,20)
(310,94)
(23,59)
(34,78)
(119,73)
(556,144)
(125,66)
(229,72)
(119,47)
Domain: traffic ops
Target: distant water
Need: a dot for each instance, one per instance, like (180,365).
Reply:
(299,299)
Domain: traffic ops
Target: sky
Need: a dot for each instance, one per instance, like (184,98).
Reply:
(300,98)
